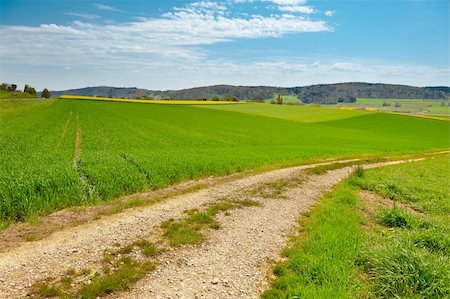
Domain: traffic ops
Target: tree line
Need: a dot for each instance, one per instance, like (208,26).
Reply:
(12,88)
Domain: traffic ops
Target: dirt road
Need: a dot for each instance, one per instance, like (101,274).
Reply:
(234,261)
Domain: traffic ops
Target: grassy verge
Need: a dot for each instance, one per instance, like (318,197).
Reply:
(345,249)
(407,255)
(320,261)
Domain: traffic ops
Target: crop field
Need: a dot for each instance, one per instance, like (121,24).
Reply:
(76,152)
(415,106)
(163,102)
(351,248)
(307,114)
(11,108)
(19,95)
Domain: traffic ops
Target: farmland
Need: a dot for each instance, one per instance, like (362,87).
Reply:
(420,107)
(316,113)
(76,152)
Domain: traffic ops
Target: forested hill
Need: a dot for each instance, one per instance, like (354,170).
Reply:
(322,93)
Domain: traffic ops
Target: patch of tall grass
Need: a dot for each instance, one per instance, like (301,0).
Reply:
(320,261)
(344,253)
(408,256)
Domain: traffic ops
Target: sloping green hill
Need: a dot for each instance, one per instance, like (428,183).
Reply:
(401,126)
(290,112)
(19,95)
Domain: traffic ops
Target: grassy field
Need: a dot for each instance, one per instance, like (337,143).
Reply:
(161,102)
(83,152)
(10,108)
(294,113)
(19,95)
(345,249)
(287,99)
(419,106)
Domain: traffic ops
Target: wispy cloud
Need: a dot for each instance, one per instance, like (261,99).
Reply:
(297,8)
(106,7)
(329,13)
(288,2)
(180,33)
(83,15)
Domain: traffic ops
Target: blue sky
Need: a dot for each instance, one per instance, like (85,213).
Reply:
(163,44)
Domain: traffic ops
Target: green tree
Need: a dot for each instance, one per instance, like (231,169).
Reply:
(215,99)
(46,94)
(258,98)
(29,90)
(230,98)
(279,100)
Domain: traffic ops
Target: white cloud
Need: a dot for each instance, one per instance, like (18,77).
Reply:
(297,8)
(106,7)
(83,15)
(181,34)
(182,73)
(288,2)
(172,46)
(329,13)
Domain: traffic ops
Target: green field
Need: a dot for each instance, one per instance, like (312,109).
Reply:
(9,108)
(287,99)
(83,152)
(345,250)
(295,113)
(19,95)
(419,106)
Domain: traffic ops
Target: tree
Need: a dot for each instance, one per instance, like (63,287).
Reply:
(258,98)
(279,100)
(29,89)
(215,99)
(46,94)
(230,98)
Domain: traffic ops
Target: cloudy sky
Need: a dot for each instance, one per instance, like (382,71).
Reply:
(166,44)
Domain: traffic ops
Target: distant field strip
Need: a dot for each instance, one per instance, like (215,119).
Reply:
(443,117)
(164,102)
(291,112)
(121,148)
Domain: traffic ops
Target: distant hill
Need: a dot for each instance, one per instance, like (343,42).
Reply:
(322,93)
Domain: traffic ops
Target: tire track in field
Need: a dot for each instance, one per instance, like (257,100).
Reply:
(135,164)
(87,188)
(64,131)
(236,256)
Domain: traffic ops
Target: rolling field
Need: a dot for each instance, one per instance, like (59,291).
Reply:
(416,106)
(307,114)
(161,102)
(9,108)
(83,152)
